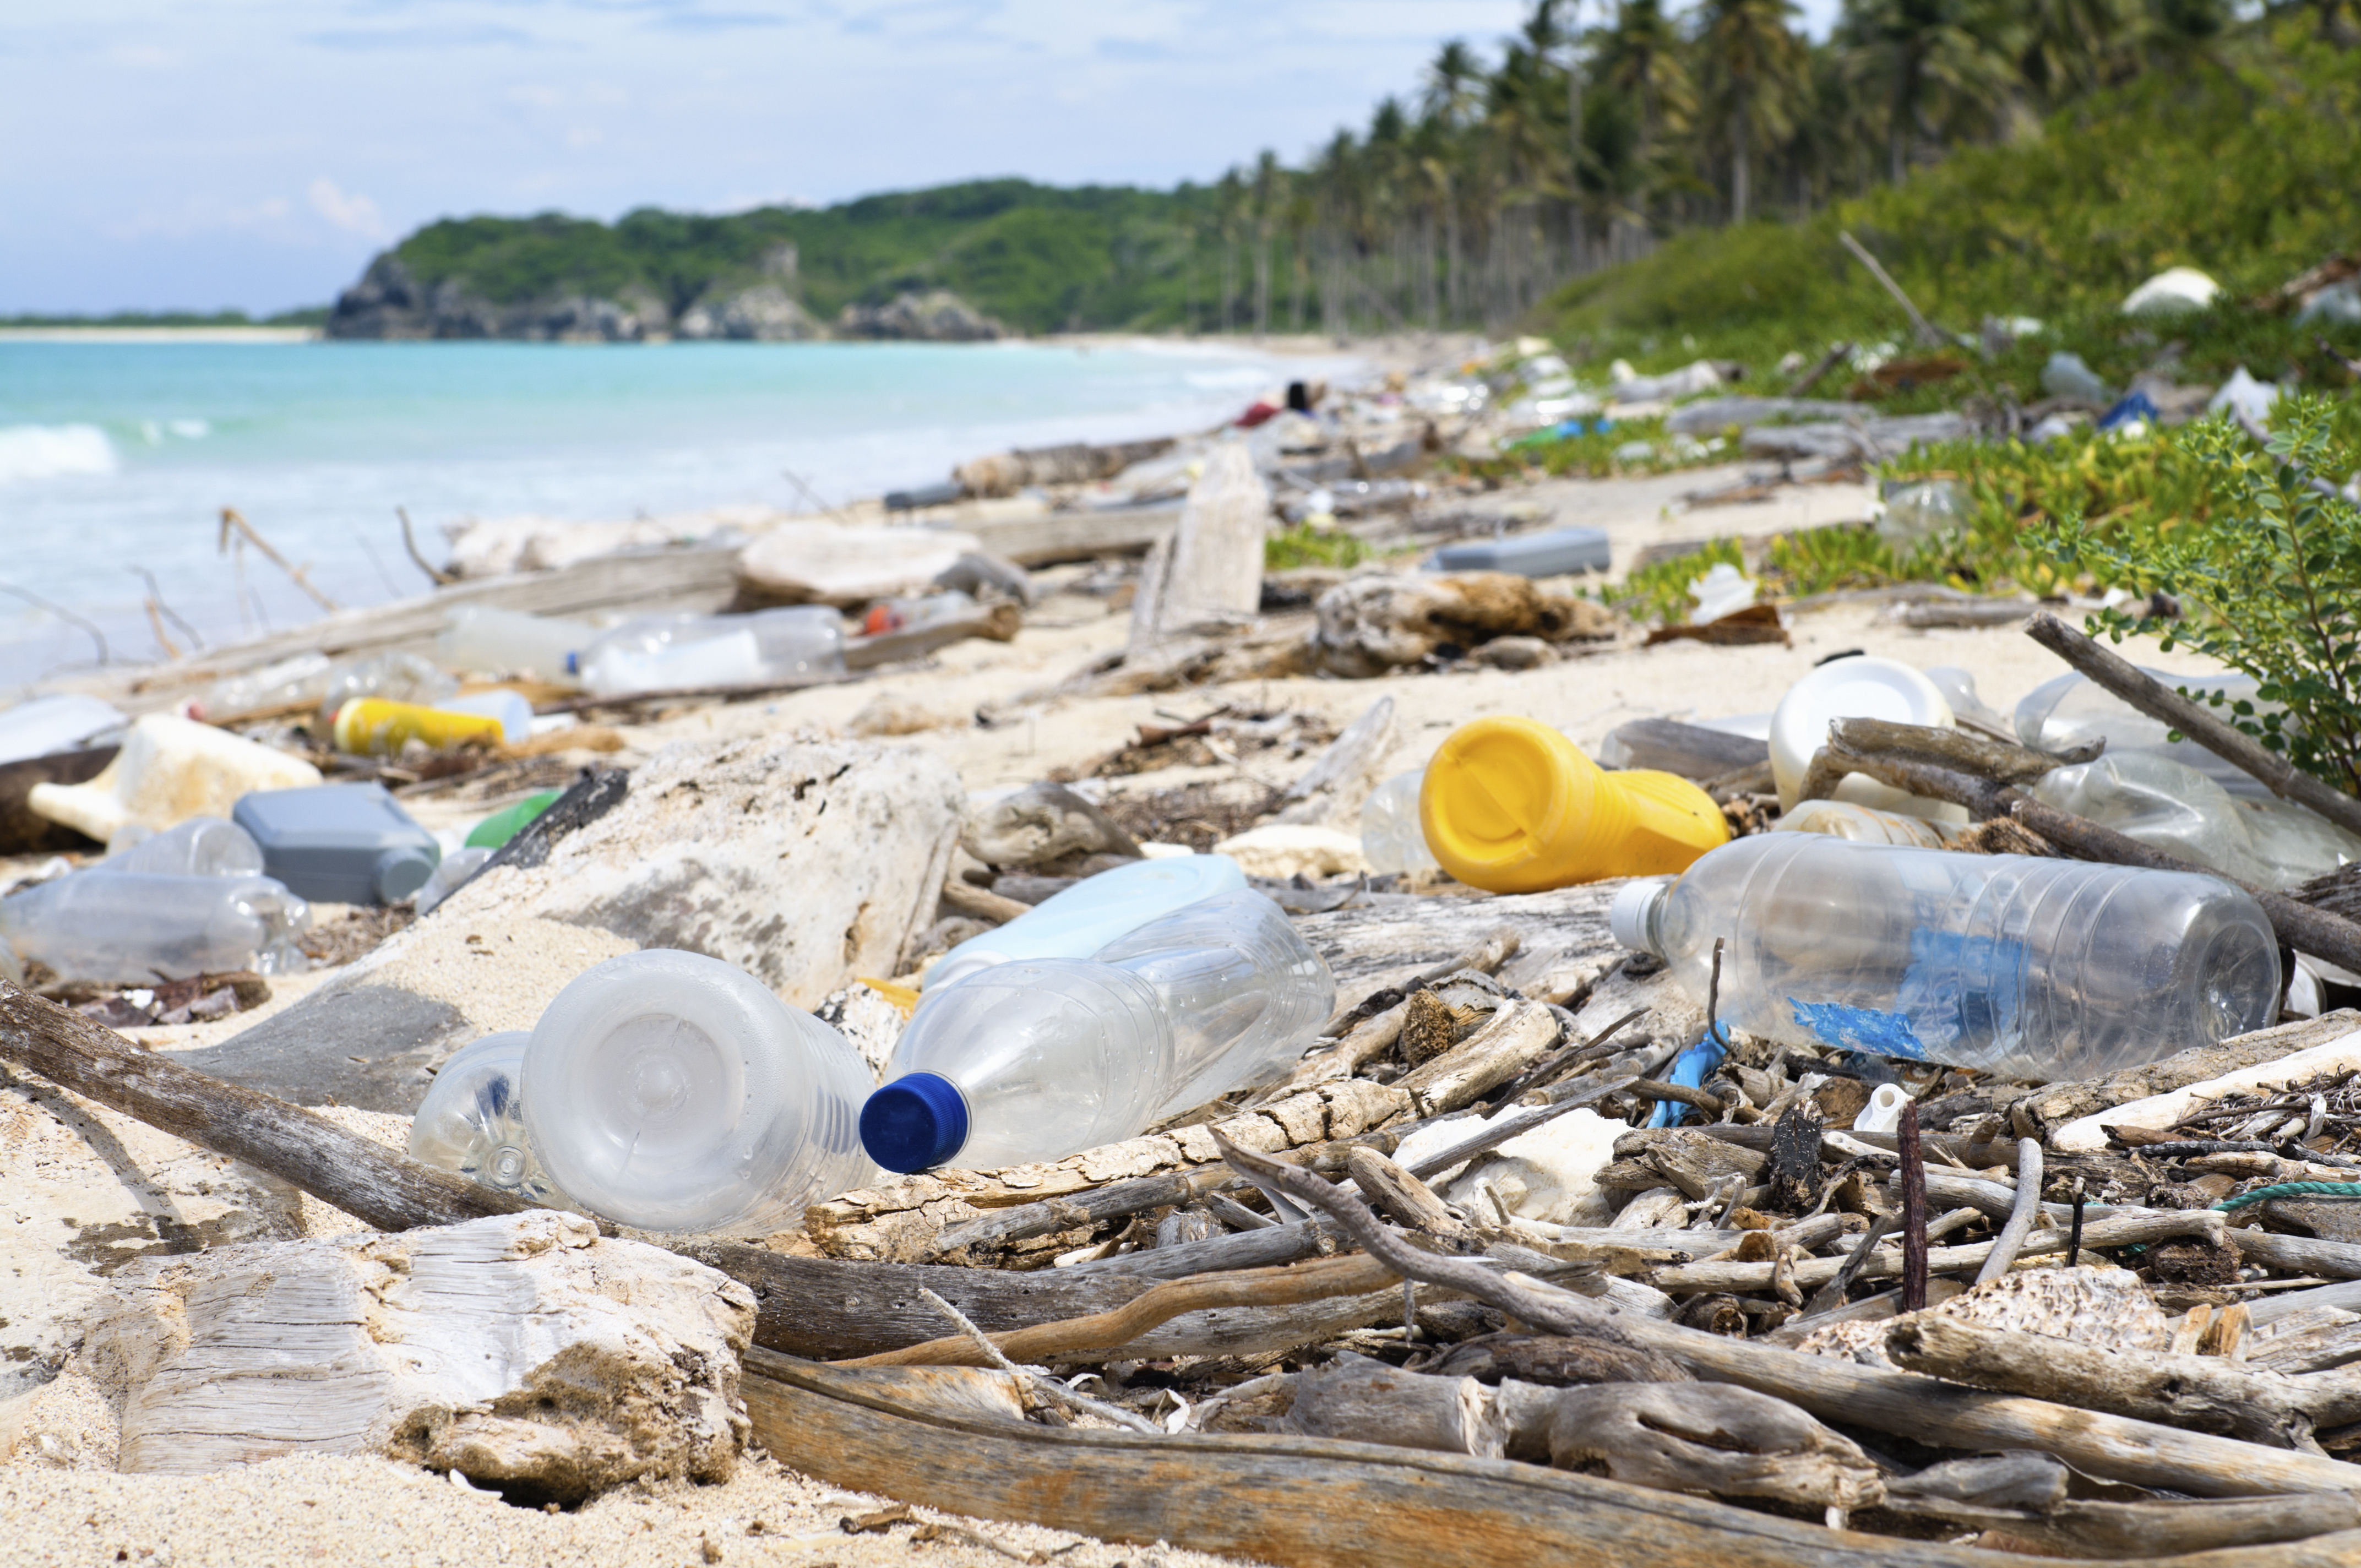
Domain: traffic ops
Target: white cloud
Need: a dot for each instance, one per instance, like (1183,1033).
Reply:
(350,212)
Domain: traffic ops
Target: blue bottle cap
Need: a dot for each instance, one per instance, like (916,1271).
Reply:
(915,1123)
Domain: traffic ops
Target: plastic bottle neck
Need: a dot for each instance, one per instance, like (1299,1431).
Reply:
(1632,919)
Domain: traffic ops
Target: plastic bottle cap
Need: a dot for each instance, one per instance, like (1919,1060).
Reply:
(401,871)
(915,1123)
(1628,917)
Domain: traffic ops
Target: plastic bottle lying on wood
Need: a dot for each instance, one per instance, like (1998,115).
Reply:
(1090,913)
(1039,1060)
(472,1120)
(2033,968)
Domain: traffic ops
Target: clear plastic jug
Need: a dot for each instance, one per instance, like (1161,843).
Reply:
(472,1120)
(1391,837)
(674,1092)
(1037,1060)
(131,926)
(2032,967)
(1090,913)
(2164,803)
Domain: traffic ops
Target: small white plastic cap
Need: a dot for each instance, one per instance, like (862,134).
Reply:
(1634,905)
(1883,1111)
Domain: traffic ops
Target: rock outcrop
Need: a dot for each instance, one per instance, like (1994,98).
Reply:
(763,314)
(936,317)
(390,302)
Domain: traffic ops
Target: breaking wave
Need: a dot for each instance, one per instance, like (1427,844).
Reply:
(53,452)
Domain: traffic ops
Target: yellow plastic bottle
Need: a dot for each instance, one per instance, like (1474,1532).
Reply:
(373,726)
(1511,805)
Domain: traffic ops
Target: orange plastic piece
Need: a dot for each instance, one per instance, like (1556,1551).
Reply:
(1511,805)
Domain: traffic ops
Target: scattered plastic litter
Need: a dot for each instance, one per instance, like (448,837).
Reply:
(168,770)
(1856,688)
(1554,553)
(2173,291)
(1392,839)
(374,726)
(47,725)
(472,1120)
(340,843)
(134,925)
(1722,590)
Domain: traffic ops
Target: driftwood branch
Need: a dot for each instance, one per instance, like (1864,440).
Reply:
(1956,749)
(1373,1036)
(1927,336)
(2200,1393)
(308,1151)
(1924,1408)
(2021,1214)
(2120,676)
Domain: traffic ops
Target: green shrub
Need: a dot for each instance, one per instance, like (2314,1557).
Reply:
(1305,545)
(2271,587)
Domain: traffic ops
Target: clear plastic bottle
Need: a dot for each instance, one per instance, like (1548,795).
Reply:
(2003,963)
(672,1092)
(202,846)
(916,614)
(47,725)
(394,677)
(510,642)
(472,1120)
(1036,1061)
(2072,710)
(1090,913)
(133,925)
(286,684)
(676,653)
(1391,839)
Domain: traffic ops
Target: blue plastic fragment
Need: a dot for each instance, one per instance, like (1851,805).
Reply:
(1690,1070)
(2132,406)
(1860,1029)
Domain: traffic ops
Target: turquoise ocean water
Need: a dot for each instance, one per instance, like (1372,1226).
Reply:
(116,457)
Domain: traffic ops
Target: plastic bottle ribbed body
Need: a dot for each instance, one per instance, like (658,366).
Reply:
(1052,1055)
(1058,1055)
(472,1120)
(132,926)
(675,1092)
(202,846)
(2040,968)
(1097,910)
(1391,837)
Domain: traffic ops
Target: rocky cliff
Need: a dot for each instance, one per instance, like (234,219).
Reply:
(391,302)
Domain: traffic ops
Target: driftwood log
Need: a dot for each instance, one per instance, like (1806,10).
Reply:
(1303,1502)
(363,1178)
(1362,1401)
(1711,1436)
(1923,1408)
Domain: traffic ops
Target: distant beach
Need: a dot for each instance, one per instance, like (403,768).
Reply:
(118,447)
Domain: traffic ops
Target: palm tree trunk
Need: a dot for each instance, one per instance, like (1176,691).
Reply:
(1740,165)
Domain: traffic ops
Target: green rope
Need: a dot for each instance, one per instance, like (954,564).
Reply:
(2293,1189)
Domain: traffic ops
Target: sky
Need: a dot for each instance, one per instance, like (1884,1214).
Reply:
(255,154)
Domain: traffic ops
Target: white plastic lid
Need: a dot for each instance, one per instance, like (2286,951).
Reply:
(1635,903)
(1863,686)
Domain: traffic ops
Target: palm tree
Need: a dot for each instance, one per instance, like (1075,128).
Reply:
(1454,83)
(2071,46)
(1943,68)
(1754,66)
(1642,56)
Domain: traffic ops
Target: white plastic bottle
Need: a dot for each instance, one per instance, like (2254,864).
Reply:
(202,846)
(1392,837)
(672,1092)
(1090,913)
(472,1120)
(168,770)
(1036,1061)
(687,651)
(2003,963)
(132,926)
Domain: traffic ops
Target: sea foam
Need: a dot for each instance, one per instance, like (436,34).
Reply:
(53,451)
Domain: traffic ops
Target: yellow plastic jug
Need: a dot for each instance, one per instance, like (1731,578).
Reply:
(1511,805)
(373,726)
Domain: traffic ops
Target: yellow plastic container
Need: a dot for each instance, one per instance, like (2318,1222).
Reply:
(373,726)
(1511,805)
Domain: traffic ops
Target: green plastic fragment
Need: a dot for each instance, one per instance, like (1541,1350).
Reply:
(509,821)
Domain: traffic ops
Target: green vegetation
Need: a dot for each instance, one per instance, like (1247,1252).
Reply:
(314,316)
(2271,587)
(1305,545)
(1038,258)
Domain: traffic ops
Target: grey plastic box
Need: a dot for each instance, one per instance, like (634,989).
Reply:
(339,843)
(1550,555)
